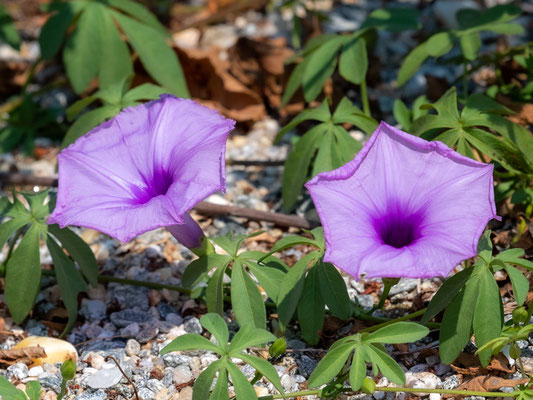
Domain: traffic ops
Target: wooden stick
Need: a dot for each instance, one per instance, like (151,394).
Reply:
(203,208)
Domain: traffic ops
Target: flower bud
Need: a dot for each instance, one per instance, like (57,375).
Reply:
(519,315)
(278,347)
(369,386)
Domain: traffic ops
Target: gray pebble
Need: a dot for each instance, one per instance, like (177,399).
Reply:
(192,325)
(173,359)
(451,383)
(174,319)
(131,297)
(182,374)
(104,378)
(145,394)
(132,347)
(50,381)
(147,333)
(125,317)
(306,365)
(18,371)
(93,310)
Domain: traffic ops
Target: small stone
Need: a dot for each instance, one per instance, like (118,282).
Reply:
(174,319)
(97,361)
(154,385)
(104,378)
(131,330)
(289,384)
(192,325)
(145,394)
(442,369)
(434,396)
(125,317)
(132,297)
(93,310)
(405,285)
(422,380)
(185,393)
(35,371)
(154,297)
(165,309)
(261,391)
(173,359)
(132,347)
(146,334)
(17,371)
(182,374)
(365,300)
(306,365)
(50,381)
(451,383)
(96,293)
(50,396)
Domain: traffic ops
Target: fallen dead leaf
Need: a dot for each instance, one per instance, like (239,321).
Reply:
(487,383)
(54,350)
(468,364)
(24,355)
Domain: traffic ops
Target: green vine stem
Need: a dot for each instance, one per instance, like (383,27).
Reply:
(388,283)
(318,392)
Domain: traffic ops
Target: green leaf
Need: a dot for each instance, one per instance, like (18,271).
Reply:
(330,365)
(456,326)
(270,276)
(214,295)
(81,55)
(333,290)
(220,391)
(198,268)
(470,45)
(146,91)
(243,389)
(320,113)
(353,62)
(291,241)
(140,12)
(399,332)
(246,300)
(520,284)
(23,275)
(75,109)
(488,315)
(295,81)
(346,112)
(9,392)
(33,390)
(321,65)
(265,368)
(78,250)
(69,280)
(446,293)
(112,48)
(297,166)
(8,228)
(292,287)
(190,341)
(311,308)
(439,44)
(8,32)
(55,29)
(218,328)
(412,63)
(386,364)
(402,114)
(358,368)
(346,146)
(156,55)
(88,121)
(249,336)
(327,157)
(202,384)
(393,19)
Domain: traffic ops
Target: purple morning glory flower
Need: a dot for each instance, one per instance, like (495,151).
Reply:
(403,207)
(144,169)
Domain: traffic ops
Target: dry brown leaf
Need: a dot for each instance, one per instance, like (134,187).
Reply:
(486,383)
(468,364)
(25,355)
(524,112)
(208,77)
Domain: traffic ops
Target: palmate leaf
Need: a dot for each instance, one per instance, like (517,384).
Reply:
(214,296)
(69,279)
(246,300)
(400,332)
(202,384)
(197,269)
(333,290)
(331,143)
(330,365)
(218,328)
(311,308)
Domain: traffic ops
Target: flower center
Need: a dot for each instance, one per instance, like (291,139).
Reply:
(156,186)
(398,229)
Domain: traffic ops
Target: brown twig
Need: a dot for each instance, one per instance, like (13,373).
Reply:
(125,376)
(204,208)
